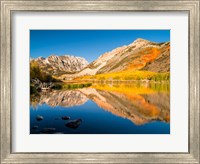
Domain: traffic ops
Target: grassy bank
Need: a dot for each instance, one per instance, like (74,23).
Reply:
(70,85)
(58,86)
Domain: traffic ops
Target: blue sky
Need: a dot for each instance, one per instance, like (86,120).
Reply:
(89,44)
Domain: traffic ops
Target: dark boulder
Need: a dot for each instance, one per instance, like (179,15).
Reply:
(35,127)
(65,118)
(74,123)
(39,118)
(48,130)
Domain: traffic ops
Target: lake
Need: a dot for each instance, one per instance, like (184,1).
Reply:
(103,108)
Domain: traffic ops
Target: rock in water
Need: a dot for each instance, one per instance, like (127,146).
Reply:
(35,127)
(39,118)
(48,130)
(65,118)
(74,123)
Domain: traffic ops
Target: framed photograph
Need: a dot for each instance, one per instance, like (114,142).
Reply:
(100,81)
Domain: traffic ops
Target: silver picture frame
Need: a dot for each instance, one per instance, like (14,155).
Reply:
(10,6)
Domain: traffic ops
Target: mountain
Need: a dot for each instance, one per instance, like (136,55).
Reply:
(58,65)
(139,55)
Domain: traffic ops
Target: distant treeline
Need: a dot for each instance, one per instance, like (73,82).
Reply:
(129,75)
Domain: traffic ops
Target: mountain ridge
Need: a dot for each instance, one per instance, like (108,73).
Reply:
(138,55)
(141,55)
(63,64)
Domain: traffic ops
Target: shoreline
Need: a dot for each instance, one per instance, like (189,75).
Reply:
(115,81)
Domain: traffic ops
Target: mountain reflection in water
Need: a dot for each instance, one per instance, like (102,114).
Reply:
(130,106)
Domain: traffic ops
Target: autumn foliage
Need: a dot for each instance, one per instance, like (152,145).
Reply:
(129,75)
(147,55)
(35,72)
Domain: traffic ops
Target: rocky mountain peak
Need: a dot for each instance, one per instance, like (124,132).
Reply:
(40,58)
(61,64)
(139,40)
(139,43)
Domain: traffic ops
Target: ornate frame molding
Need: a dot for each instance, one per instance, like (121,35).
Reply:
(10,6)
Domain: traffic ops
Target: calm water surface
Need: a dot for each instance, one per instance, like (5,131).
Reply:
(102,109)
